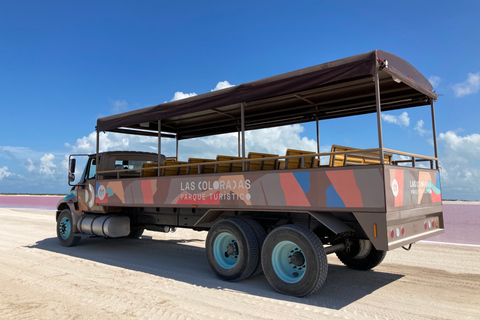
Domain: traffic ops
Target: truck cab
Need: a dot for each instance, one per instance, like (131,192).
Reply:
(113,165)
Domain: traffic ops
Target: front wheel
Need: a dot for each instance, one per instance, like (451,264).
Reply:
(65,229)
(294,260)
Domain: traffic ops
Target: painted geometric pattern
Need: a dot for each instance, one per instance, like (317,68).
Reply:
(409,187)
(312,189)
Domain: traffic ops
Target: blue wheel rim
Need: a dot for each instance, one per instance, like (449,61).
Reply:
(65,228)
(225,250)
(289,262)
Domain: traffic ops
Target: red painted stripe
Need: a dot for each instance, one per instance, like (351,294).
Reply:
(147,191)
(294,194)
(346,186)
(400,180)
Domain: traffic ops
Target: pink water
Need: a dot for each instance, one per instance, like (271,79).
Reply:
(41,202)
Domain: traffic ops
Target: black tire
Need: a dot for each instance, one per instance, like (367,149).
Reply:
(294,260)
(363,262)
(260,234)
(135,233)
(65,233)
(232,249)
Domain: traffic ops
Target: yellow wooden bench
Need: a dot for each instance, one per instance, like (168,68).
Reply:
(269,164)
(175,171)
(362,158)
(204,168)
(149,172)
(228,167)
(296,163)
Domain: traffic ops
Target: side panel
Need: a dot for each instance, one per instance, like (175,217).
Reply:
(317,189)
(414,205)
(412,188)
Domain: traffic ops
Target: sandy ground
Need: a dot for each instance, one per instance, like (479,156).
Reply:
(166,276)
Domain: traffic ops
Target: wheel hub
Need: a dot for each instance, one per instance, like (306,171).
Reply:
(289,262)
(232,249)
(64,228)
(297,259)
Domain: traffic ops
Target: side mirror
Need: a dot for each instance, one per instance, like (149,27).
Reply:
(71,171)
(73,163)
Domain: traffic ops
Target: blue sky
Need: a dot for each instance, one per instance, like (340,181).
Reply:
(66,63)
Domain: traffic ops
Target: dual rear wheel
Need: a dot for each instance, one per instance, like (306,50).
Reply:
(291,256)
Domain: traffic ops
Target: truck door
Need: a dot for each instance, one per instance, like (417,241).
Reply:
(86,195)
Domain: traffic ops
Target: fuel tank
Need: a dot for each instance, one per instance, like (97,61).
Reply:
(104,225)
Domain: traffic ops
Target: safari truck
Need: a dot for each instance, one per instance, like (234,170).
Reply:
(280,214)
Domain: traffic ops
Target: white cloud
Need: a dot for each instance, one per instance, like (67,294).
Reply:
(46,164)
(470,86)
(111,141)
(273,140)
(465,148)
(30,166)
(459,160)
(119,106)
(420,129)
(4,173)
(222,85)
(180,95)
(402,120)
(435,81)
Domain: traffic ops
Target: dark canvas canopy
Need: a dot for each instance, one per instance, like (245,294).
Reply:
(334,89)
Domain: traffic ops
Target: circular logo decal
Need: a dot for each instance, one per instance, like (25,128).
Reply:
(101,192)
(395,187)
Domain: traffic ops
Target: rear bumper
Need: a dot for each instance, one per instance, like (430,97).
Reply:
(401,233)
(408,240)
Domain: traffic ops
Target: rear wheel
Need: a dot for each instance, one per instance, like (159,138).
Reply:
(361,255)
(294,260)
(65,229)
(232,249)
(260,234)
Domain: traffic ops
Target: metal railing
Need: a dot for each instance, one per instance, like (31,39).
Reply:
(413,159)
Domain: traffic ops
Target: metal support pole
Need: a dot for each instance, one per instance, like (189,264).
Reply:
(318,139)
(379,116)
(97,156)
(239,143)
(242,111)
(159,161)
(176,145)
(434,133)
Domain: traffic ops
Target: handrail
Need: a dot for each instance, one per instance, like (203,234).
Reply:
(409,154)
(323,154)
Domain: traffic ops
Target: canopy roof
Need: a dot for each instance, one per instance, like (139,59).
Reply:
(335,89)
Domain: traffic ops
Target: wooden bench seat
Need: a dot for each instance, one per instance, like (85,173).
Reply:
(204,168)
(362,158)
(149,172)
(296,163)
(167,170)
(261,164)
(228,167)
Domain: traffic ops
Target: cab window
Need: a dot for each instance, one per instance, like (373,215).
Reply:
(92,169)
